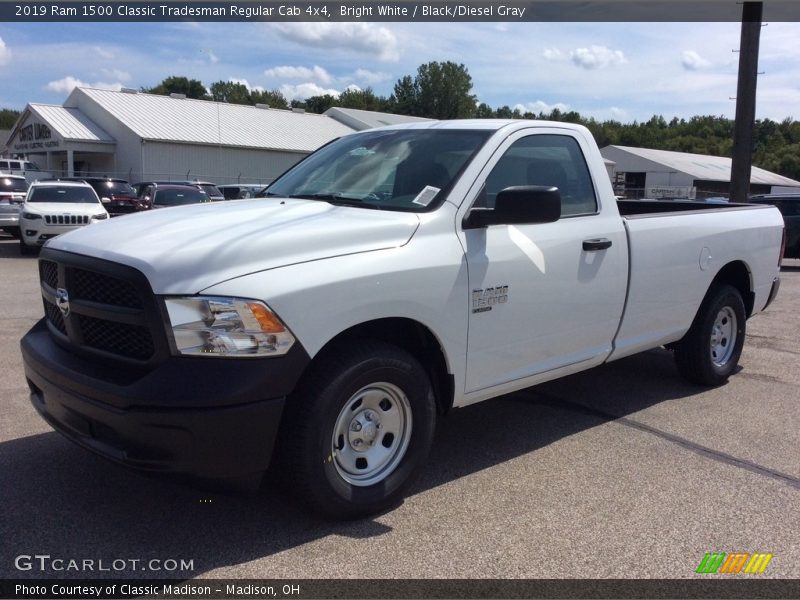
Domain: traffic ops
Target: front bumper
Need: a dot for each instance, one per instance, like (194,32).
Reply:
(9,219)
(41,231)
(173,419)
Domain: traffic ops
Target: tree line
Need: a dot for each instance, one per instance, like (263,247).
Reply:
(443,90)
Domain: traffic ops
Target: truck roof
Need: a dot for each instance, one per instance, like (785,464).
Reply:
(487,124)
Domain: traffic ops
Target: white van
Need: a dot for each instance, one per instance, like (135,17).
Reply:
(28,169)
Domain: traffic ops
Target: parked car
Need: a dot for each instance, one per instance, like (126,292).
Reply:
(177,195)
(55,207)
(12,195)
(144,189)
(209,188)
(25,168)
(789,205)
(239,191)
(117,195)
(397,274)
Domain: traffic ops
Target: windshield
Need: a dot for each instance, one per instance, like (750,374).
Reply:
(178,197)
(404,169)
(113,188)
(65,194)
(7,184)
(211,190)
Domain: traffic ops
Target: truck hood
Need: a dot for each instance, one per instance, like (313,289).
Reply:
(186,249)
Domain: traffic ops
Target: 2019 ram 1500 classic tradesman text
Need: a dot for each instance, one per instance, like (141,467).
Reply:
(388,277)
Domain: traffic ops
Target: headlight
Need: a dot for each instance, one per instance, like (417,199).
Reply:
(30,216)
(217,326)
(100,217)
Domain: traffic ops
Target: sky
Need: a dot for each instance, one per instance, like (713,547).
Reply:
(621,71)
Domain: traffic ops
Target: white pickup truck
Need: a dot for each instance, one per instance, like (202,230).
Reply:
(389,277)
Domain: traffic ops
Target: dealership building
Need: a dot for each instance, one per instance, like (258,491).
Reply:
(145,137)
(645,173)
(142,137)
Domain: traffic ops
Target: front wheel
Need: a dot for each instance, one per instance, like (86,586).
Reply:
(710,350)
(357,429)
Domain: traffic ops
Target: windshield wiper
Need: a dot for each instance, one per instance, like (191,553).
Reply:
(336,199)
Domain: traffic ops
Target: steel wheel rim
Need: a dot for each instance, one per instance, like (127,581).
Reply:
(371,434)
(723,336)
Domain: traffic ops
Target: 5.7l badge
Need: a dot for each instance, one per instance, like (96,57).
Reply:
(484,300)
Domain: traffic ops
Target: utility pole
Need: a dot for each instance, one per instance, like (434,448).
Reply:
(745,101)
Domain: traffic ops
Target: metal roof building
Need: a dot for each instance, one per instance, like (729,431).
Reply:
(141,137)
(367,119)
(641,172)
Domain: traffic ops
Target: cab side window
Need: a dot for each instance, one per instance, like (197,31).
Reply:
(549,160)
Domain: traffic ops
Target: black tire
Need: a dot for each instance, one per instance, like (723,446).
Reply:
(707,355)
(341,386)
(24,249)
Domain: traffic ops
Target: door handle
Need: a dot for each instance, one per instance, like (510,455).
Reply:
(596,244)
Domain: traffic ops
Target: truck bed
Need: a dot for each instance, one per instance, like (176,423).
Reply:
(675,251)
(638,208)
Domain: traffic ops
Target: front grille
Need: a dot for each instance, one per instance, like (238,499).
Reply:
(55,317)
(66,219)
(112,311)
(132,341)
(48,273)
(89,285)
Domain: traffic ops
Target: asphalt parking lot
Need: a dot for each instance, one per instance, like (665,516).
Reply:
(625,471)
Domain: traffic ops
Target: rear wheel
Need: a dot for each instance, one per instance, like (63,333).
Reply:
(710,350)
(358,428)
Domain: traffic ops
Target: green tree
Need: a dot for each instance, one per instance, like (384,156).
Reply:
(404,99)
(175,84)
(365,99)
(8,117)
(272,98)
(444,91)
(484,111)
(319,104)
(229,91)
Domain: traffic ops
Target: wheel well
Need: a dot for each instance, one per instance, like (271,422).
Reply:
(738,275)
(414,338)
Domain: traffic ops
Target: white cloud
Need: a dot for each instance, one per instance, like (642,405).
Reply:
(102,53)
(5,53)
(288,72)
(66,84)
(212,58)
(540,106)
(302,91)
(692,61)
(117,74)
(552,54)
(366,38)
(245,83)
(619,114)
(597,57)
(370,77)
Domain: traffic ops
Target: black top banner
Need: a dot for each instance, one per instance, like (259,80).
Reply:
(432,11)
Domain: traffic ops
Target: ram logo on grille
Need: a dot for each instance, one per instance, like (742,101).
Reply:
(62,301)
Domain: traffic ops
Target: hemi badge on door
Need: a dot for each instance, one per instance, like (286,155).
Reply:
(484,300)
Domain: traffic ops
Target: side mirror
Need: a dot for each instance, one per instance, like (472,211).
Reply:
(518,205)
(105,199)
